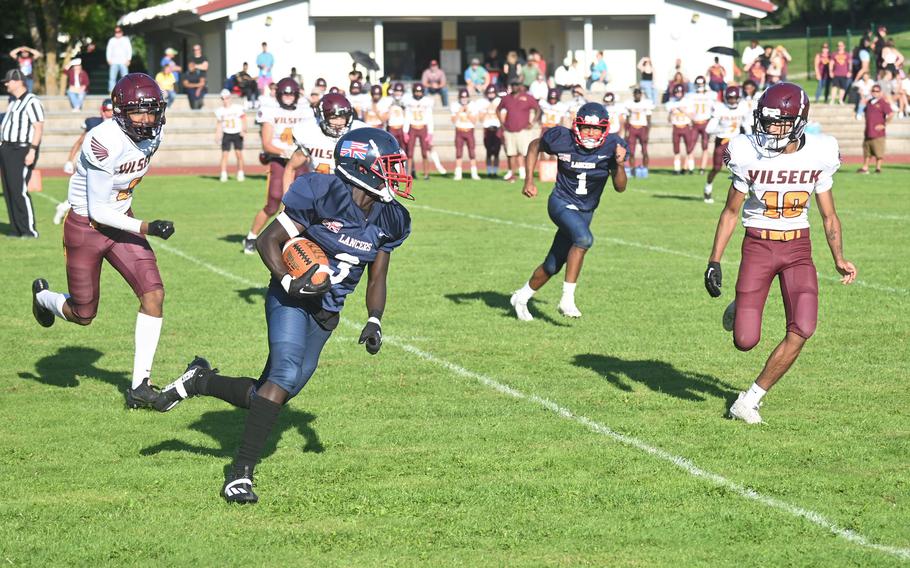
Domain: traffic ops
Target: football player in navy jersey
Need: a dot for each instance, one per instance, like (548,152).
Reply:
(586,156)
(354,217)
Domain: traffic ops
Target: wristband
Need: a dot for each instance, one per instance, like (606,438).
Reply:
(33,146)
(286,282)
(374,320)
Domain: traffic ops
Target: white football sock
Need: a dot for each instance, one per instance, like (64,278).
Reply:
(568,290)
(690,164)
(251,236)
(148,330)
(754,395)
(521,173)
(709,188)
(525,293)
(677,164)
(53,301)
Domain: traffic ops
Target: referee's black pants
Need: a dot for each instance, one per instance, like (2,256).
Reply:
(15,175)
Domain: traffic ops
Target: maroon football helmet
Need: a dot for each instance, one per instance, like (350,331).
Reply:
(552,95)
(490,92)
(700,84)
(732,96)
(355,88)
(287,86)
(376,92)
(335,105)
(138,93)
(783,108)
(679,91)
(417,91)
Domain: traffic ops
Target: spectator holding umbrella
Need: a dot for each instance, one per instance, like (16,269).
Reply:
(717,77)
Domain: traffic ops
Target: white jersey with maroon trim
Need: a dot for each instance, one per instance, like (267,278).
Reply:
(231,118)
(396,114)
(701,105)
(639,112)
(680,112)
(418,113)
(779,188)
(106,147)
(488,116)
(360,102)
(553,114)
(465,116)
(373,113)
(319,147)
(726,121)
(283,122)
(617,113)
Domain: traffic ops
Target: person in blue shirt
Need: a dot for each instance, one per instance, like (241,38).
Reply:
(354,217)
(587,155)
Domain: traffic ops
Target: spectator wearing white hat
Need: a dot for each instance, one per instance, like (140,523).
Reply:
(76,83)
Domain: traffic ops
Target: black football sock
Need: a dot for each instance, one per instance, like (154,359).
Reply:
(232,390)
(259,423)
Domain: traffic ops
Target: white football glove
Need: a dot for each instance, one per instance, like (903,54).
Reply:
(68,167)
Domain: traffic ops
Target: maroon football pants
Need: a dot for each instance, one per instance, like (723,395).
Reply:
(791,262)
(683,134)
(464,138)
(85,247)
(418,135)
(275,185)
(637,134)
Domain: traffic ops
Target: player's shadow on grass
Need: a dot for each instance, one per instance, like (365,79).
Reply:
(677,197)
(659,376)
(232,238)
(226,428)
(64,367)
(500,301)
(252,295)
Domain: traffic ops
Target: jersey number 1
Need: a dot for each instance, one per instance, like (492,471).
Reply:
(582,184)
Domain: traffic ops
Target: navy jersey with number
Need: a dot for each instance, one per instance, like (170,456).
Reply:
(581,174)
(324,206)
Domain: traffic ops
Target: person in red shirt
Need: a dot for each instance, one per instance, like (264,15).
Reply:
(878,114)
(518,112)
(840,73)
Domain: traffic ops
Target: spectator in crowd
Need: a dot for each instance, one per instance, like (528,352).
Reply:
(878,113)
(433,80)
(119,54)
(646,68)
(783,58)
(537,58)
(194,86)
(529,73)
(677,81)
(861,59)
(886,83)
(493,64)
(540,88)
(892,58)
(840,73)
(269,99)
(518,111)
(563,76)
(678,68)
(717,77)
(511,70)
(775,71)
(297,77)
(823,72)
(476,78)
(169,54)
(863,88)
(903,95)
(598,70)
(76,84)
(881,37)
(246,85)
(264,62)
(202,64)
(167,82)
(751,53)
(25,59)
(355,74)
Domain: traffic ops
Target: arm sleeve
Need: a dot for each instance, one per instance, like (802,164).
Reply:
(403,229)
(830,165)
(99,185)
(547,140)
(739,176)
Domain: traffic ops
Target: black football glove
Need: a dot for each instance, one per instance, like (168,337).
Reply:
(713,278)
(161,229)
(372,336)
(303,286)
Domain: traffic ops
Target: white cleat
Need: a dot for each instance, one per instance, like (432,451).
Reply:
(224,177)
(568,309)
(457,176)
(730,316)
(240,176)
(742,411)
(61,211)
(521,308)
(474,176)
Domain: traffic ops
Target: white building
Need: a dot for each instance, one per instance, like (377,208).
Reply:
(316,36)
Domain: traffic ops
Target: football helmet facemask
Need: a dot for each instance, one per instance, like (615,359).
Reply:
(332,106)
(781,116)
(591,116)
(287,86)
(372,160)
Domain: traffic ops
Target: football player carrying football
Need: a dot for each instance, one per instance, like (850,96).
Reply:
(115,157)
(586,156)
(316,140)
(277,136)
(775,171)
(354,217)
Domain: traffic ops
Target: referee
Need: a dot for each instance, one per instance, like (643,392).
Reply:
(20,136)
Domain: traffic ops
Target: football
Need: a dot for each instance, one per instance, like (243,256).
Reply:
(300,254)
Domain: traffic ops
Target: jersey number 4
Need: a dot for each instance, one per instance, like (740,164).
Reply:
(793,204)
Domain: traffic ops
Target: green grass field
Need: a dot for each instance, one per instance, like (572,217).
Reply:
(472,439)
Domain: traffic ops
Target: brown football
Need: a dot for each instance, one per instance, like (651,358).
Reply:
(300,254)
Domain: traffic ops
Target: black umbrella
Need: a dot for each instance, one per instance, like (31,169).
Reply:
(364,60)
(721,50)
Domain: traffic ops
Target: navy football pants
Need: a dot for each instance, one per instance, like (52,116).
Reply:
(574,230)
(295,341)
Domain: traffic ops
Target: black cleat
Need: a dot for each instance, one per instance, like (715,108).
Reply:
(249,246)
(184,386)
(238,486)
(44,316)
(143,396)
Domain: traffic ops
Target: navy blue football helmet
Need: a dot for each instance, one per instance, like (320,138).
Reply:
(591,114)
(372,160)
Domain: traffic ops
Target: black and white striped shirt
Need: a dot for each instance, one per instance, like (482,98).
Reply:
(18,124)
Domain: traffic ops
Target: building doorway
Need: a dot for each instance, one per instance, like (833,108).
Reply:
(477,39)
(409,48)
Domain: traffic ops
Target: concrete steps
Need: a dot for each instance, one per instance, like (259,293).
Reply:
(189,138)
